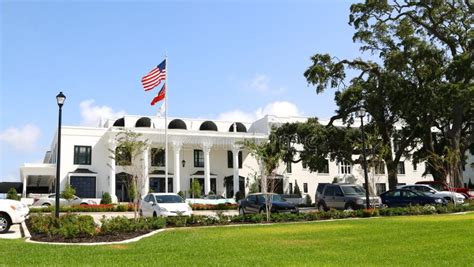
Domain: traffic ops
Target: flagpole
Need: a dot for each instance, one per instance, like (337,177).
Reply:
(166,124)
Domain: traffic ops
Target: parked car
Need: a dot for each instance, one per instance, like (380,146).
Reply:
(343,196)
(442,186)
(164,204)
(430,191)
(51,201)
(256,203)
(12,212)
(211,200)
(403,197)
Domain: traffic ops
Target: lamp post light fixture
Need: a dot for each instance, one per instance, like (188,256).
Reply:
(183,163)
(361,113)
(60,98)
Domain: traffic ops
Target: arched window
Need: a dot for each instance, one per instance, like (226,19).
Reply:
(240,127)
(119,123)
(143,122)
(208,126)
(177,124)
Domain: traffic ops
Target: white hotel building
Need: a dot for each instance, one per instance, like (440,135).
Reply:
(198,149)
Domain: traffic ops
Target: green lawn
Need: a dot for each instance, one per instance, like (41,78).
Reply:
(421,240)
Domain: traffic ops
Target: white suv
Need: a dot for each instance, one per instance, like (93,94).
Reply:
(11,212)
(430,191)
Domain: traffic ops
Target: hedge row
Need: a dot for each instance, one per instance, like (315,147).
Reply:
(74,225)
(84,208)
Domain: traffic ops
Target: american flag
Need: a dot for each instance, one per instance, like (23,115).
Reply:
(154,77)
(160,96)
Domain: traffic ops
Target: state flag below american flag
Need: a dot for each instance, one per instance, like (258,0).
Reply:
(161,95)
(154,77)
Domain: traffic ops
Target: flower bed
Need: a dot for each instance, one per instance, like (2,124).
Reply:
(85,208)
(214,207)
(73,228)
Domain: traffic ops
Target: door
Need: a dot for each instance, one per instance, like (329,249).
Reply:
(339,201)
(328,196)
(84,186)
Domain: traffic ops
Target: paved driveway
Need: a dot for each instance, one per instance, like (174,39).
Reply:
(13,233)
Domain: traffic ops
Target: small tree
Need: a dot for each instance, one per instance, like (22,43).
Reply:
(68,193)
(297,190)
(195,189)
(268,155)
(129,152)
(13,194)
(308,200)
(106,198)
(182,194)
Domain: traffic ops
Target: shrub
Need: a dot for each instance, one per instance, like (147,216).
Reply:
(177,221)
(308,200)
(182,194)
(106,198)
(66,226)
(13,194)
(68,192)
(297,190)
(122,224)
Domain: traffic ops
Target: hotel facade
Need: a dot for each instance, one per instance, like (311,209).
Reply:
(203,150)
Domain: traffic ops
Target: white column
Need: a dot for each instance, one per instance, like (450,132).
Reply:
(177,176)
(145,174)
(112,147)
(207,168)
(25,180)
(235,157)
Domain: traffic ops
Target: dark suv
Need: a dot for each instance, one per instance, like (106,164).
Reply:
(255,203)
(343,196)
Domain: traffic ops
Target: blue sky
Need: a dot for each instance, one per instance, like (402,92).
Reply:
(227,60)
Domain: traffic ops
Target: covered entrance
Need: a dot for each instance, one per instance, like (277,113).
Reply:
(122,183)
(229,185)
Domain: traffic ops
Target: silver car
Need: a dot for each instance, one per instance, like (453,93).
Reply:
(51,201)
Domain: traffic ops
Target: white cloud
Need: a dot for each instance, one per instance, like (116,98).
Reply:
(92,115)
(278,108)
(261,83)
(23,139)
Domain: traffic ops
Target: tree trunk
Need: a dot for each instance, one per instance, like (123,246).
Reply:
(454,137)
(392,172)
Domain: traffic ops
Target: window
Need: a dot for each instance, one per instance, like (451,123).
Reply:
(288,167)
(122,156)
(396,145)
(379,167)
(305,187)
(325,168)
(198,158)
(380,187)
(304,164)
(230,159)
(82,155)
(329,192)
(401,167)
(427,168)
(84,186)
(290,188)
(415,167)
(345,167)
(157,157)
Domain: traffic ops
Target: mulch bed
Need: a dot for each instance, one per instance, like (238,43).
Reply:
(88,239)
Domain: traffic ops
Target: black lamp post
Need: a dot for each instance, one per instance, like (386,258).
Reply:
(60,98)
(361,113)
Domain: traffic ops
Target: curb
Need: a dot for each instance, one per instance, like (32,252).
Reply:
(25,231)
(135,239)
